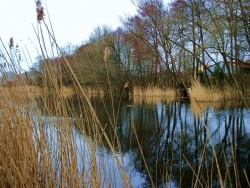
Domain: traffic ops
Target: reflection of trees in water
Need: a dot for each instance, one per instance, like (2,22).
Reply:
(177,146)
(233,147)
(175,142)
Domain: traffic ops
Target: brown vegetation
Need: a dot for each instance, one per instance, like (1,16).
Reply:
(199,92)
(38,144)
(153,91)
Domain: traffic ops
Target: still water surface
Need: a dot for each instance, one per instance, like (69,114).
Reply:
(176,141)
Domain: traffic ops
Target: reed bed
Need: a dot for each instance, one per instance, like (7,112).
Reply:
(153,100)
(94,91)
(154,91)
(45,142)
(41,147)
(199,92)
(22,89)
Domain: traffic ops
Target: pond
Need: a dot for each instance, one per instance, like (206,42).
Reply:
(167,143)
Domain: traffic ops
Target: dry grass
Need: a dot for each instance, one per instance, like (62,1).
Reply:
(39,145)
(40,150)
(198,108)
(18,158)
(18,95)
(201,93)
(42,144)
(153,91)
(33,90)
(65,89)
(93,91)
(43,151)
(142,100)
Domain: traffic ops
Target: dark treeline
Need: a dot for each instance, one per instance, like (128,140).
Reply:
(167,44)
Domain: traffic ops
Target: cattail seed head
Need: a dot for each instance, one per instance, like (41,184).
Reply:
(40,14)
(39,10)
(126,85)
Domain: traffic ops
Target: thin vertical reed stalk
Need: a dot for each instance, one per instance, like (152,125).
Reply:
(196,175)
(235,168)
(200,166)
(142,154)
(215,157)
(214,153)
(247,178)
(91,110)
(227,174)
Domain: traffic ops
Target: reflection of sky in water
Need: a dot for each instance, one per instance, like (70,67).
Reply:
(108,168)
(182,120)
(214,120)
(219,119)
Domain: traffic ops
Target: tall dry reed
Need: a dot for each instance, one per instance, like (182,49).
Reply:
(199,92)
(154,91)
(39,144)
(39,137)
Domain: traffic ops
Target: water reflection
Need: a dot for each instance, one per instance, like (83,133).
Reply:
(176,143)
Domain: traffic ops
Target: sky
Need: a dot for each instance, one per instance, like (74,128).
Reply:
(72,20)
